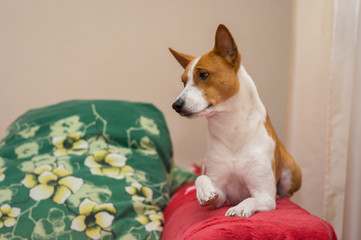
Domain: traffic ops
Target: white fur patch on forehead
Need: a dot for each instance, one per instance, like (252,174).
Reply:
(191,70)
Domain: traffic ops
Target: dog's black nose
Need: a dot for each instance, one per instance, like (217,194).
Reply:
(177,105)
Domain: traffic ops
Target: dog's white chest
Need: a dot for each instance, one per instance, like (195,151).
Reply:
(235,189)
(239,160)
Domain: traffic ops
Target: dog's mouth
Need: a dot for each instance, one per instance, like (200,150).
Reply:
(195,114)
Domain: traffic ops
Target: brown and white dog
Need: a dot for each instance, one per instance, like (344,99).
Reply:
(245,163)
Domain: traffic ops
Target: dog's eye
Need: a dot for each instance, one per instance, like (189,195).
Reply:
(203,75)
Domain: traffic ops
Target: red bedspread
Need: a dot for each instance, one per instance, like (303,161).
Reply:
(186,219)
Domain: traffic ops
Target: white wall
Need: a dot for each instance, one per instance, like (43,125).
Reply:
(52,51)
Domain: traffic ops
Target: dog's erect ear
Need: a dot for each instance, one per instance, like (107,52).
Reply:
(182,58)
(226,47)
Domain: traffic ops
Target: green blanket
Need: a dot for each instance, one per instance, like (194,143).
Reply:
(86,170)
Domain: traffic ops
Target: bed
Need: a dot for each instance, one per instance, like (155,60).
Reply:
(100,169)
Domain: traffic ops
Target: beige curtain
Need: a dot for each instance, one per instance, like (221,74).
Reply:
(324,62)
(352,214)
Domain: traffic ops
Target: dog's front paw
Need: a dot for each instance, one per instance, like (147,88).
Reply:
(206,192)
(244,209)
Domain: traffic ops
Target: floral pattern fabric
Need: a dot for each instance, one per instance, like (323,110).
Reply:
(85,170)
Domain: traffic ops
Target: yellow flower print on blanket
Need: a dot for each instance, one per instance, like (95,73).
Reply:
(69,144)
(8,215)
(94,218)
(107,163)
(152,220)
(55,183)
(139,192)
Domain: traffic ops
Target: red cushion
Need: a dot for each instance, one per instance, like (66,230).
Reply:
(186,219)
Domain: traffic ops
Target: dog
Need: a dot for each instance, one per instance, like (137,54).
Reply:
(245,164)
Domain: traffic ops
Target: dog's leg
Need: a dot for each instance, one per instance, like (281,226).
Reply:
(259,202)
(291,176)
(285,184)
(206,191)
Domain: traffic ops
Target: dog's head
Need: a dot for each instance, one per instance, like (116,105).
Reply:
(210,79)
